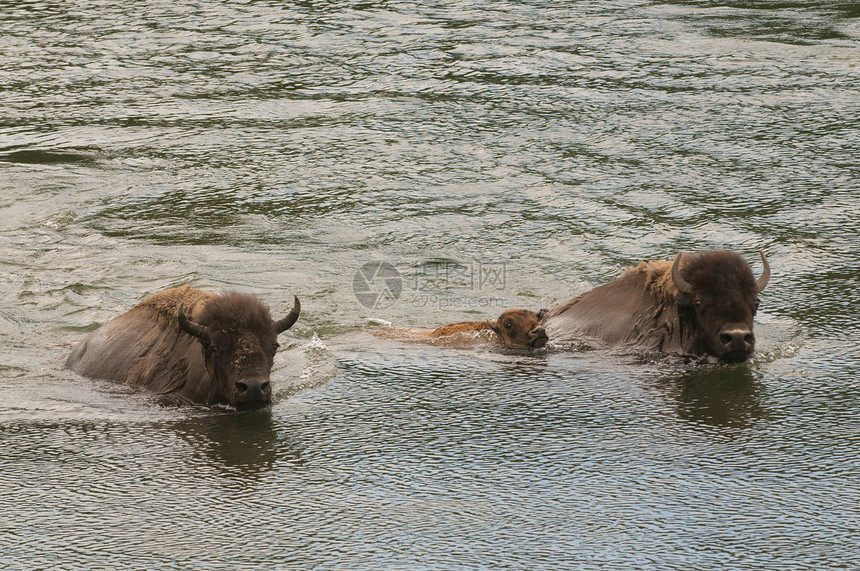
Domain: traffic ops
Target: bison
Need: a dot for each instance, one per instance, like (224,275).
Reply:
(699,306)
(200,347)
(514,329)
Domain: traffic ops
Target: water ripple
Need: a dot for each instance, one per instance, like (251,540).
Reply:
(276,148)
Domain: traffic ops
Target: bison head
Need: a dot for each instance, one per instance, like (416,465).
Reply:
(239,340)
(719,295)
(519,328)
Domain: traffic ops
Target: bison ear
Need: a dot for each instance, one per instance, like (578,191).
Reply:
(541,314)
(283,324)
(193,329)
(494,326)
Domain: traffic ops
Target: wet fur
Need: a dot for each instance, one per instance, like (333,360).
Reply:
(146,348)
(462,327)
(234,312)
(659,318)
(465,332)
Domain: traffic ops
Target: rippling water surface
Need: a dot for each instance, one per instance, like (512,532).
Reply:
(495,155)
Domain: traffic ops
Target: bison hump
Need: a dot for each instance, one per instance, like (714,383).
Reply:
(143,347)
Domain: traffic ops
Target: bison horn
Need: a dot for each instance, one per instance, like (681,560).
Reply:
(762,280)
(683,285)
(288,321)
(193,329)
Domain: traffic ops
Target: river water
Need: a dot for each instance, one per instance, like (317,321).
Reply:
(416,164)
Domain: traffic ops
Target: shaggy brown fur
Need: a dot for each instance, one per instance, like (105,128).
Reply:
(234,312)
(658,280)
(722,270)
(645,309)
(147,348)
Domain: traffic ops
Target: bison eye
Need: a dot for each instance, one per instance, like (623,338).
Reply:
(508,325)
(211,349)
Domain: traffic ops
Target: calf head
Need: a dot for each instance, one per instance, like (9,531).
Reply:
(519,328)
(718,296)
(239,340)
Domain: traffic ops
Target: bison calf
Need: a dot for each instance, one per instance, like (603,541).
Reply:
(203,348)
(515,329)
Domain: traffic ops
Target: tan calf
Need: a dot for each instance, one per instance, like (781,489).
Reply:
(515,329)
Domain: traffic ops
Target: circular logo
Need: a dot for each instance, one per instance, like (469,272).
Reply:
(377,285)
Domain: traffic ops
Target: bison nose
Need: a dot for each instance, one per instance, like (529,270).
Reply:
(253,390)
(738,340)
(538,336)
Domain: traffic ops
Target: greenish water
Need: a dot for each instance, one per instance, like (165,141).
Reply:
(492,156)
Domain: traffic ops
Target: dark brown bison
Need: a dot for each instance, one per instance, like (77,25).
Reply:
(203,348)
(515,329)
(700,305)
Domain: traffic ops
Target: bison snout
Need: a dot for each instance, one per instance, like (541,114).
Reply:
(740,342)
(538,337)
(253,392)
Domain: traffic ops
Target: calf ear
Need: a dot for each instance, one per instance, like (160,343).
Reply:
(541,314)
(495,327)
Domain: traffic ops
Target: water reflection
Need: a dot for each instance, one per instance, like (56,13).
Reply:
(278,146)
(820,21)
(717,395)
(40,157)
(239,444)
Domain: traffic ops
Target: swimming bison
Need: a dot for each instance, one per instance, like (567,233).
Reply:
(698,305)
(200,347)
(515,328)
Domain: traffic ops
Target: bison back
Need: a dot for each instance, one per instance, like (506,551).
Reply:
(144,347)
(462,327)
(622,312)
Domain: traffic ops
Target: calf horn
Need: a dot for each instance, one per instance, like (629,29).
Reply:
(283,324)
(194,329)
(683,285)
(762,280)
